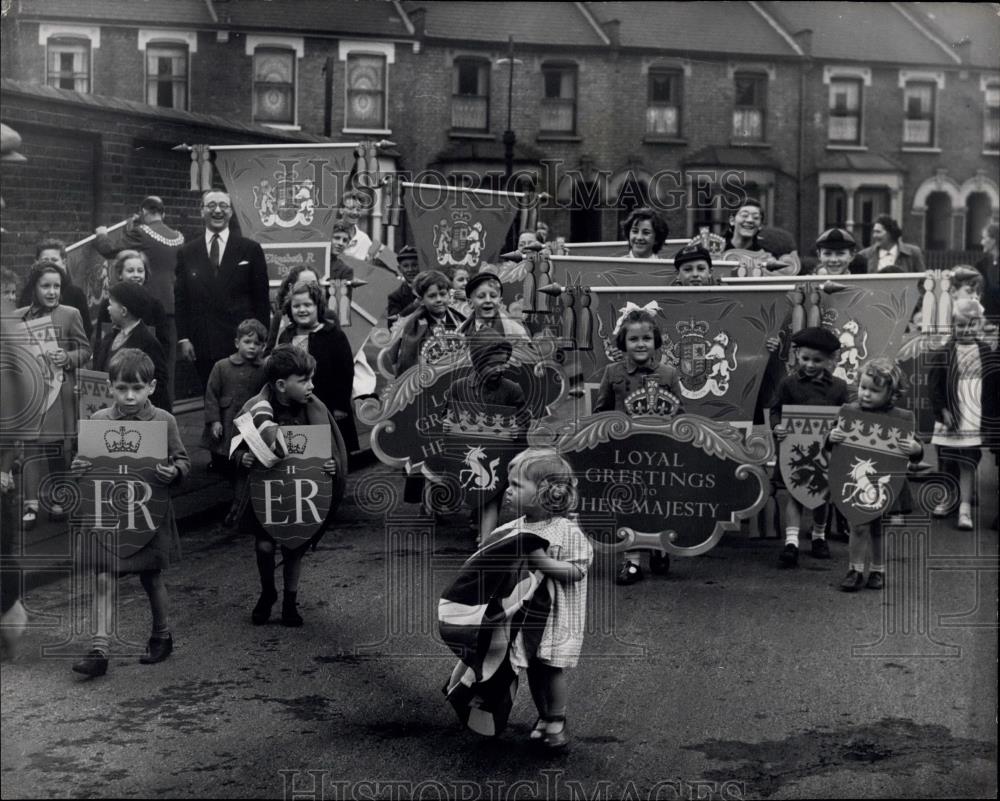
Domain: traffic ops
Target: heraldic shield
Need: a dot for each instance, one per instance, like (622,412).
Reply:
(121,492)
(801,458)
(480,440)
(868,469)
(293,498)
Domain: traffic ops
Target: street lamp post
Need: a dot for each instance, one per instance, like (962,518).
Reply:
(509,137)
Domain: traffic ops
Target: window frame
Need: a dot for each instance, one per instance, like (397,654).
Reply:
(267,49)
(760,80)
(930,116)
(167,44)
(387,50)
(988,84)
(561,67)
(676,75)
(480,64)
(66,40)
(858,113)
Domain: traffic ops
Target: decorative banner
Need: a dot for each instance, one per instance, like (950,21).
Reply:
(372,285)
(409,418)
(675,484)
(293,498)
(868,469)
(478,444)
(44,342)
(714,336)
(285,194)
(916,356)
(121,491)
(93,392)
(800,455)
(868,313)
(281,259)
(754,263)
(89,269)
(455,227)
(593,271)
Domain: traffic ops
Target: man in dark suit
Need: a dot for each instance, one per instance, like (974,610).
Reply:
(221,280)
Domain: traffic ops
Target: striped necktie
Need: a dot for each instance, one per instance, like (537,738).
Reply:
(213,251)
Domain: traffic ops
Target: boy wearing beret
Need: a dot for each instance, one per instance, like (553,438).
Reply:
(812,384)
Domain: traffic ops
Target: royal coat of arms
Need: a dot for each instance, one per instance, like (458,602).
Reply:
(853,347)
(287,202)
(868,469)
(706,363)
(457,243)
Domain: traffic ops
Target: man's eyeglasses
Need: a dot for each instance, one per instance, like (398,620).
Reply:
(220,206)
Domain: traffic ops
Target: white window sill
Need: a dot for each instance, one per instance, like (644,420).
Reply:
(847,147)
(280,126)
(905,149)
(383,131)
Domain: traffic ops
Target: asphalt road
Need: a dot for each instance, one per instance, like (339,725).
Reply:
(728,678)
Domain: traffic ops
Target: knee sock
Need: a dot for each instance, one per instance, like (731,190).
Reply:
(265,566)
(877,568)
(792,536)
(819,531)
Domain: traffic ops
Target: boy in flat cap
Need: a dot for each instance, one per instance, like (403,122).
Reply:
(835,248)
(812,384)
(404,300)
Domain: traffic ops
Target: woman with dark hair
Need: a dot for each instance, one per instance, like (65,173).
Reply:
(325,341)
(646,232)
(59,359)
(888,253)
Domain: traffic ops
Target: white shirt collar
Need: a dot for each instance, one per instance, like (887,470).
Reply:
(223,237)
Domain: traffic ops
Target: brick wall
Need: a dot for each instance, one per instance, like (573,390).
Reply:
(89,165)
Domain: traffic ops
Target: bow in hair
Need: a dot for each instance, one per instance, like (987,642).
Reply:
(652,307)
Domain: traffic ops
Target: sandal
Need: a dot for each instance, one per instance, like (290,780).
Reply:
(965,522)
(29,518)
(538,732)
(556,741)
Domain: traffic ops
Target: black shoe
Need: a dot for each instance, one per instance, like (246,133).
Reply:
(820,550)
(876,580)
(789,556)
(628,573)
(659,563)
(852,582)
(158,649)
(289,614)
(94,663)
(262,611)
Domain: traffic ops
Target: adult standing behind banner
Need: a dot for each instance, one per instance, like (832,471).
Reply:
(989,267)
(888,253)
(746,233)
(221,280)
(147,233)
(351,206)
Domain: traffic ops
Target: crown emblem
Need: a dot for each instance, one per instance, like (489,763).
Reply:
(651,400)
(296,443)
(699,328)
(460,216)
(440,346)
(873,437)
(713,243)
(120,440)
(465,422)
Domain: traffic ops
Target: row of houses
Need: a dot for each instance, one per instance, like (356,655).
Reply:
(829,113)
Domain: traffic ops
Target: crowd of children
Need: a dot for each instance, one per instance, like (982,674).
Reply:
(300,373)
